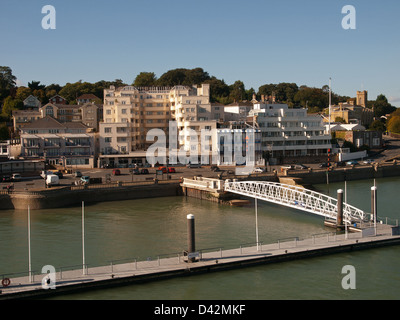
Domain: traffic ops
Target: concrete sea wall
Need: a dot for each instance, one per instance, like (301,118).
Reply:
(57,198)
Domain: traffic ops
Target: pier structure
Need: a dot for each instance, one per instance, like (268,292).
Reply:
(293,196)
(210,260)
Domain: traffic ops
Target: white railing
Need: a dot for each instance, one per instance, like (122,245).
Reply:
(295,197)
(203,183)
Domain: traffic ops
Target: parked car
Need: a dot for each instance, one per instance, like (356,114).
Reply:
(340,164)
(351,162)
(171,170)
(116,172)
(163,169)
(78,174)
(52,180)
(300,166)
(215,168)
(325,165)
(288,167)
(58,173)
(16,177)
(135,171)
(6,178)
(368,161)
(258,170)
(44,173)
(144,171)
(85,179)
(193,165)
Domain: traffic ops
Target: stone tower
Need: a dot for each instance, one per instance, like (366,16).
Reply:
(362,98)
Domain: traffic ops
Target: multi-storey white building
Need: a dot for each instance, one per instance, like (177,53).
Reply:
(131,112)
(288,132)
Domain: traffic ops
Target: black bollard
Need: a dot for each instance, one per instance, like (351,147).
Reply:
(191,236)
(339,220)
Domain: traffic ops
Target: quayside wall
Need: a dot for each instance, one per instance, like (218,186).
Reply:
(347,174)
(64,197)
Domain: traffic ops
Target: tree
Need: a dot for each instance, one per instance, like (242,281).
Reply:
(35,85)
(185,77)
(9,105)
(377,125)
(381,106)
(311,97)
(145,79)
(7,82)
(394,124)
(340,120)
(237,91)
(4,132)
(23,93)
(219,90)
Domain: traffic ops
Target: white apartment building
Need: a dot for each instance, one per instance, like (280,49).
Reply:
(288,132)
(130,112)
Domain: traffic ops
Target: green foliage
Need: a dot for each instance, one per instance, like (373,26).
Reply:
(377,125)
(9,105)
(394,124)
(145,79)
(340,120)
(381,106)
(7,82)
(4,132)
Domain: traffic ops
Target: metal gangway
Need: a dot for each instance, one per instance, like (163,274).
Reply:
(295,197)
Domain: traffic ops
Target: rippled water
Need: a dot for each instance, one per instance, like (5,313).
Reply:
(150,227)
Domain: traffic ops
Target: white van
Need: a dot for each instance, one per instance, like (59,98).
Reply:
(52,180)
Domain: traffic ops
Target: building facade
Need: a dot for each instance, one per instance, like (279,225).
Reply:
(290,133)
(60,144)
(129,113)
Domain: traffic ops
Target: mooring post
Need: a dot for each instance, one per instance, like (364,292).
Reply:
(339,219)
(191,236)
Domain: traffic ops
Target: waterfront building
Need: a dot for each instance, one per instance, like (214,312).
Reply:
(237,111)
(236,142)
(57,99)
(288,134)
(68,144)
(87,98)
(22,117)
(353,111)
(89,113)
(31,102)
(130,112)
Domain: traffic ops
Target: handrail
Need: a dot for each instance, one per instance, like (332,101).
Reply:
(295,197)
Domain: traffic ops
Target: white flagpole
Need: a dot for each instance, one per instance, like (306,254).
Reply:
(83,238)
(29,245)
(255,200)
(330,102)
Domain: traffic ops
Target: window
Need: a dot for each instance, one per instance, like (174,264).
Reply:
(107,130)
(123,111)
(107,139)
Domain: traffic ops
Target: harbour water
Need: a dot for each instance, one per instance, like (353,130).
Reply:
(147,228)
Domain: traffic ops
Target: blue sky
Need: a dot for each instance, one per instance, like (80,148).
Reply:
(256,41)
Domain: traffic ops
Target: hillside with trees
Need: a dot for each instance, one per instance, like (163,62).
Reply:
(315,99)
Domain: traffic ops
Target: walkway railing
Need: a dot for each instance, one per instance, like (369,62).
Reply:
(295,197)
(137,264)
